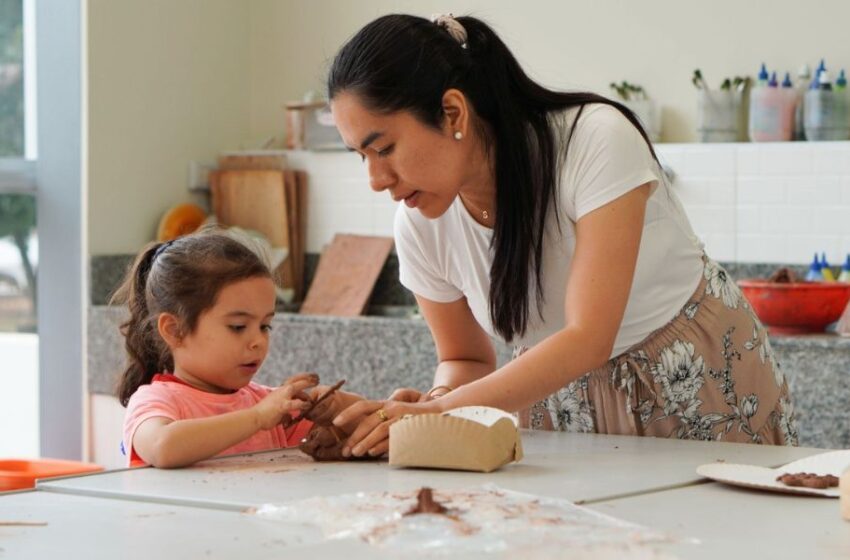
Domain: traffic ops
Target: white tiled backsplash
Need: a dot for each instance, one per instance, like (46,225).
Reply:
(748,202)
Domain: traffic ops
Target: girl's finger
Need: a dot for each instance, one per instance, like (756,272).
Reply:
(295,404)
(299,387)
(312,379)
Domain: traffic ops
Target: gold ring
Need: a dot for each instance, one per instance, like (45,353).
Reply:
(382,414)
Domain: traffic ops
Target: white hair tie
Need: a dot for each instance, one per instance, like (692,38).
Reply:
(452,26)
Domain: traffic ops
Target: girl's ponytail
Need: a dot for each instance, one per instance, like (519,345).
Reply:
(146,353)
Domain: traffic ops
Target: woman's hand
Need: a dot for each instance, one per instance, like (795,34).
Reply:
(282,401)
(371,421)
(408,395)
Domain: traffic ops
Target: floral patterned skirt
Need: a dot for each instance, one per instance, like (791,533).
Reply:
(709,374)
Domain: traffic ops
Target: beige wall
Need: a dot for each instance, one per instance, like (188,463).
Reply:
(173,81)
(168,83)
(569,44)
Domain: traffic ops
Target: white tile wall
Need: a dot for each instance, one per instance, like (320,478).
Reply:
(748,202)
(789,199)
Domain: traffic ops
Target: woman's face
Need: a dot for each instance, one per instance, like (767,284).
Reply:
(418,164)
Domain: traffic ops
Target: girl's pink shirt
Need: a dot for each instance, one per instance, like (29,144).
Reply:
(169,397)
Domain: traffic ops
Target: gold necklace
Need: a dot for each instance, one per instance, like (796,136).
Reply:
(484,214)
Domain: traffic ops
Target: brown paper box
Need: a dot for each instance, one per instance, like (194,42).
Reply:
(473,438)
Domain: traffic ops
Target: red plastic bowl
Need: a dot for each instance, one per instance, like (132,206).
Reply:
(796,308)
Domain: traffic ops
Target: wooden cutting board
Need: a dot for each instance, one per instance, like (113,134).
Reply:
(348,269)
(255,199)
(296,201)
(252,161)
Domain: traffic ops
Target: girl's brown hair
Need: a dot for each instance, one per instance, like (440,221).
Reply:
(182,277)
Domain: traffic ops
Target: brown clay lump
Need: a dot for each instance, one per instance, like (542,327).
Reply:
(324,443)
(809,480)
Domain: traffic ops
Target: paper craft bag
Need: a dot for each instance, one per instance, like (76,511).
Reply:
(472,438)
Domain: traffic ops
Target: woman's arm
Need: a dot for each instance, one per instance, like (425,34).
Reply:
(597,291)
(603,267)
(464,350)
(167,443)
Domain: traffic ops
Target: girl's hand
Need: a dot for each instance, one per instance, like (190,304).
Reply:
(373,420)
(286,398)
(324,412)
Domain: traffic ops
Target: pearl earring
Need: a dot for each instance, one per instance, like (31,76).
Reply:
(458,135)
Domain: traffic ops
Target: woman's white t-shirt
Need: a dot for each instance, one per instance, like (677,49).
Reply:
(449,257)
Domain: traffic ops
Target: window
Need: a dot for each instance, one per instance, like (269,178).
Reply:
(18,237)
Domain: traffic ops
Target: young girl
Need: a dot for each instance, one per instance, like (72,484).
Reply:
(200,315)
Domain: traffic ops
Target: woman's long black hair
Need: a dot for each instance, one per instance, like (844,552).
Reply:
(406,63)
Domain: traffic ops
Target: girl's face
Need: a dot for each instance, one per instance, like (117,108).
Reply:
(420,165)
(230,340)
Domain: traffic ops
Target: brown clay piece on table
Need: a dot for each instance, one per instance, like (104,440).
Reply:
(425,504)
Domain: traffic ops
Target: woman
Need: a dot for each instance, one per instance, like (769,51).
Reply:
(544,218)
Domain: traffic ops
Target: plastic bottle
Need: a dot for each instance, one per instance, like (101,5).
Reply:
(815,79)
(762,79)
(804,74)
(772,109)
(826,113)
(786,82)
(814,274)
(841,81)
(824,81)
(845,271)
(825,269)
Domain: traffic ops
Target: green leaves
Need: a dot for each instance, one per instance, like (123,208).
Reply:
(627,91)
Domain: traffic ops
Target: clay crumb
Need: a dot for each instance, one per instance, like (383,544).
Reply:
(425,504)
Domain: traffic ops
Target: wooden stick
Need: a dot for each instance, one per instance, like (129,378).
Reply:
(327,394)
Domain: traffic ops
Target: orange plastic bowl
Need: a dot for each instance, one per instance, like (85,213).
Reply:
(16,474)
(796,308)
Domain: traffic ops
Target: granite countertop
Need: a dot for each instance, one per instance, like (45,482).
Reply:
(378,354)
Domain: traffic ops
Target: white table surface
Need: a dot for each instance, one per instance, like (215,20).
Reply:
(731,522)
(582,468)
(80,527)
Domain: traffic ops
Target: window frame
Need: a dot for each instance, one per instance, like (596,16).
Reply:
(60,187)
